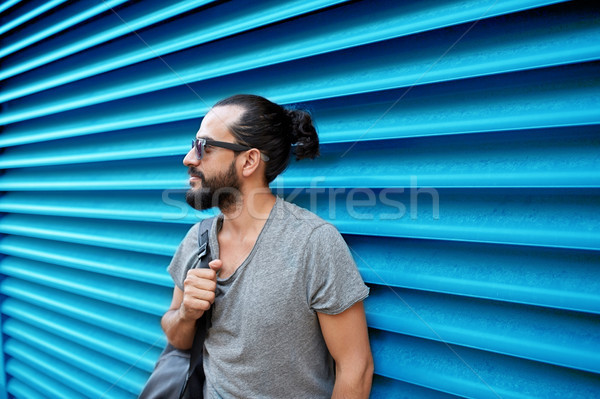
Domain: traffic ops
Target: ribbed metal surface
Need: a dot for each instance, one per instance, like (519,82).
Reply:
(460,159)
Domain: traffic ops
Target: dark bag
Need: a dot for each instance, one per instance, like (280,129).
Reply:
(168,376)
(169,379)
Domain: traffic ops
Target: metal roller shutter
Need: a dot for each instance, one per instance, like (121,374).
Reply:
(460,160)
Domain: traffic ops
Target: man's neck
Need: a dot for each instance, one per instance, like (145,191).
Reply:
(250,214)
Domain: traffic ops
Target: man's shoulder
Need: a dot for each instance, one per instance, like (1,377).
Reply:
(191,237)
(297,223)
(301,217)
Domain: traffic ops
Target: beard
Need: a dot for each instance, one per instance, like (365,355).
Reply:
(222,191)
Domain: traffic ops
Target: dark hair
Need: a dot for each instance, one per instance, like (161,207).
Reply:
(273,129)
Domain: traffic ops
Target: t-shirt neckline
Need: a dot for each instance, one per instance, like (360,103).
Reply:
(248,259)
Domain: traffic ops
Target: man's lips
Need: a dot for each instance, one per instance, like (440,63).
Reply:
(194,178)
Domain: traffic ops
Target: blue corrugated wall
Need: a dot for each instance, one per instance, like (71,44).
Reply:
(460,160)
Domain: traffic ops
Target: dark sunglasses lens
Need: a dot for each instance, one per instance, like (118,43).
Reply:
(197,146)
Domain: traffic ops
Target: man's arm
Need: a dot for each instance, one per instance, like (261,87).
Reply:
(198,295)
(348,343)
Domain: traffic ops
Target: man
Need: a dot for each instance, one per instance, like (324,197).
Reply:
(287,313)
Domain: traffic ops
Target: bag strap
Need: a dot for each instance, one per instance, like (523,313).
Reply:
(203,323)
(203,248)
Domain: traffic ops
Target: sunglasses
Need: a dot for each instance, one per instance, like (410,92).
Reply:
(199,146)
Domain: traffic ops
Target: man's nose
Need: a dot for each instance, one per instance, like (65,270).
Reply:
(190,158)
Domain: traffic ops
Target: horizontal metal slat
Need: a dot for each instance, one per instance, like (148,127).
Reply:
(130,265)
(550,97)
(526,275)
(544,218)
(20,390)
(146,142)
(563,338)
(142,297)
(26,12)
(278,45)
(81,384)
(471,373)
(210,24)
(118,319)
(388,388)
(125,349)
(120,374)
(106,28)
(168,206)
(125,175)
(451,108)
(8,4)
(159,239)
(387,65)
(560,157)
(72,14)
(29,375)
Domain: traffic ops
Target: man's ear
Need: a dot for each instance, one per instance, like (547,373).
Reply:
(251,162)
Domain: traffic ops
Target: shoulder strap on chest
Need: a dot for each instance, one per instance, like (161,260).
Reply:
(203,247)
(194,381)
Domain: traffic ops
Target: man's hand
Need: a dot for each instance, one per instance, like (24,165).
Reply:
(198,295)
(199,289)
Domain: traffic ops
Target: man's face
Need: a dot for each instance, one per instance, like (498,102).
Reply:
(214,179)
(222,190)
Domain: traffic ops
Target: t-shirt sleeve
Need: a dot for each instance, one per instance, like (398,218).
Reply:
(334,281)
(185,257)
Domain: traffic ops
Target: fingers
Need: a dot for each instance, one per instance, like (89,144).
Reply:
(202,273)
(199,291)
(195,302)
(216,265)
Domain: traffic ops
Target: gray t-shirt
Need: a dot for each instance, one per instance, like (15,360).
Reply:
(265,340)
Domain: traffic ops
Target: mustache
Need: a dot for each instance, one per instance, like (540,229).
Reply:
(195,173)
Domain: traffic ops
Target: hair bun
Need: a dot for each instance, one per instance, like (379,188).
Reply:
(303,134)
